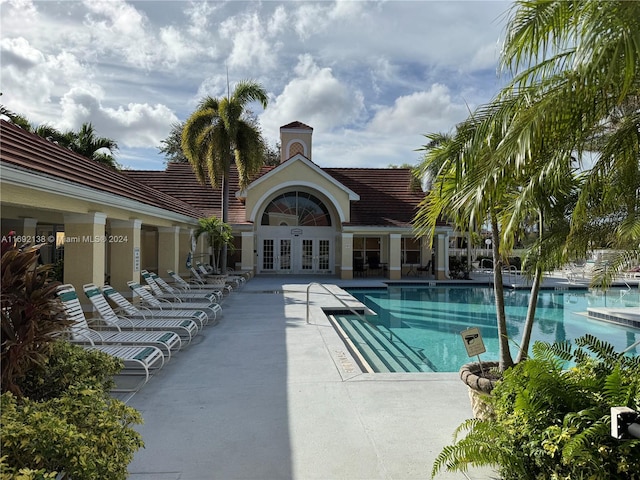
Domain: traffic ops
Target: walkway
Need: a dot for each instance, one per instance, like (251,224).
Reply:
(265,396)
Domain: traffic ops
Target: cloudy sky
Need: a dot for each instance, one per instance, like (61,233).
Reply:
(371,78)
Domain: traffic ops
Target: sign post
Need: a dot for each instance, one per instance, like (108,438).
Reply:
(472,339)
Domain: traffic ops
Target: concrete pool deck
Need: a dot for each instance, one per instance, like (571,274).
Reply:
(264,395)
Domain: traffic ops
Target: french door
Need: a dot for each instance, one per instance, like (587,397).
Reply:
(296,255)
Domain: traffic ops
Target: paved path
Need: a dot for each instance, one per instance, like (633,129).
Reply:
(263,395)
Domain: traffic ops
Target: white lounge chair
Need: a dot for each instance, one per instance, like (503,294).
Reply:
(211,309)
(195,286)
(234,280)
(125,307)
(203,279)
(162,289)
(80,332)
(136,358)
(187,329)
(153,281)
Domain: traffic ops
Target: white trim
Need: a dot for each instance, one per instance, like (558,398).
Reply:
(15,176)
(295,129)
(259,206)
(300,158)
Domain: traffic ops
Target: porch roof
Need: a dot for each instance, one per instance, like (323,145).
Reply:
(33,154)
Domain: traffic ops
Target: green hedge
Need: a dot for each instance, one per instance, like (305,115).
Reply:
(67,421)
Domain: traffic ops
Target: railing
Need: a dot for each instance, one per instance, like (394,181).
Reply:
(351,309)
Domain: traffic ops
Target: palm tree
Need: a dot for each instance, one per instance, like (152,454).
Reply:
(583,63)
(218,235)
(464,194)
(85,142)
(217,134)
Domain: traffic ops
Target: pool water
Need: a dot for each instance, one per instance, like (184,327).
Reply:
(430,319)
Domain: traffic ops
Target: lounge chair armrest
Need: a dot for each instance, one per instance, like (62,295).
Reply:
(126,320)
(162,300)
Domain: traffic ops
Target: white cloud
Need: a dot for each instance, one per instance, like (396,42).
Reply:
(420,112)
(370,77)
(31,78)
(316,97)
(133,125)
(119,27)
(198,14)
(17,52)
(313,18)
(252,46)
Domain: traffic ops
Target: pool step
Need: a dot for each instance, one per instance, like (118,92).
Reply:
(382,354)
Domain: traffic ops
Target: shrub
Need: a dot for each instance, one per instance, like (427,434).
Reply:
(56,414)
(70,365)
(31,315)
(552,423)
(83,432)
(458,267)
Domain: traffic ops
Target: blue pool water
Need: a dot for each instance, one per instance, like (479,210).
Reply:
(430,319)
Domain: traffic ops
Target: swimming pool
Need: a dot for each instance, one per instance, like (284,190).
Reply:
(429,319)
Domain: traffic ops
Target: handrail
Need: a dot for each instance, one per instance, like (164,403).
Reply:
(351,309)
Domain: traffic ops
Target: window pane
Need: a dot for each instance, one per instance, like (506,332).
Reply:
(411,243)
(411,256)
(373,243)
(296,209)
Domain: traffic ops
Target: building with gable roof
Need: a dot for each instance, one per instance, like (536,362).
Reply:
(293,218)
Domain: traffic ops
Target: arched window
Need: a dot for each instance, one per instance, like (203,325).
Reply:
(296,209)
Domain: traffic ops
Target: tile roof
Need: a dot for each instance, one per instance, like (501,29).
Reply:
(386,197)
(181,182)
(40,156)
(297,124)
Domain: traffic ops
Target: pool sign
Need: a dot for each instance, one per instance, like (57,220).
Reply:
(473,341)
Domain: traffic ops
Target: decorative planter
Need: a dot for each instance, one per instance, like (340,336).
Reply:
(218,280)
(480,387)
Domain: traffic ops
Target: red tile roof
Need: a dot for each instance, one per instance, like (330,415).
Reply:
(181,182)
(38,155)
(297,124)
(386,197)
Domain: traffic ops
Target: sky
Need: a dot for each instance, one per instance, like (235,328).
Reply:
(371,77)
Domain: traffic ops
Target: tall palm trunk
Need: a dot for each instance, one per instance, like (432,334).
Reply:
(225,219)
(523,353)
(505,359)
(531,307)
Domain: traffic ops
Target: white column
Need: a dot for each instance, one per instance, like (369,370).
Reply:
(346,263)
(395,256)
(248,259)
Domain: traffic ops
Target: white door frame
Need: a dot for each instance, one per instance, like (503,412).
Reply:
(311,250)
